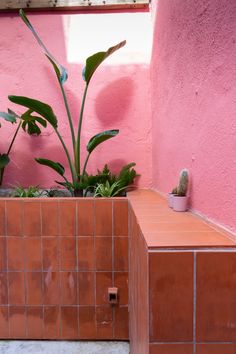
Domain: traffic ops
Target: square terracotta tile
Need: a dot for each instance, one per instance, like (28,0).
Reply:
(17,322)
(68,282)
(3,289)
(103,213)
(33,253)
(34,294)
(86,288)
(103,282)
(3,253)
(15,253)
(171,296)
(51,288)
(121,282)
(103,252)
(121,254)
(67,218)
(14,214)
(2,219)
(121,323)
(216,301)
(4,322)
(16,288)
(68,253)
(50,212)
(87,323)
(104,322)
(50,253)
(52,322)
(34,322)
(171,349)
(69,322)
(121,218)
(86,253)
(86,218)
(32,218)
(216,348)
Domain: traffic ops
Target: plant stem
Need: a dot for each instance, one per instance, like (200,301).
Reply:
(13,139)
(85,165)
(77,147)
(68,115)
(72,168)
(1,175)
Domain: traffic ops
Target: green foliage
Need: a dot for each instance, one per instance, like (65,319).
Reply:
(108,190)
(30,192)
(183,183)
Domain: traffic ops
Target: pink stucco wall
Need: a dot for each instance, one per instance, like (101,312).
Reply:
(119,98)
(194,102)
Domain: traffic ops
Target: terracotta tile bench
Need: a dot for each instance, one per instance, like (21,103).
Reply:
(182,281)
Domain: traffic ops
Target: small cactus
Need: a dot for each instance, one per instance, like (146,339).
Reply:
(174,190)
(183,183)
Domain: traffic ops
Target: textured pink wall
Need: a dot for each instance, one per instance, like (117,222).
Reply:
(119,97)
(194,102)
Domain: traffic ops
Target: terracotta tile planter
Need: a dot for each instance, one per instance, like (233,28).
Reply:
(57,259)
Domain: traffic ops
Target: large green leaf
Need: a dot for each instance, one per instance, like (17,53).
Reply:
(4,160)
(36,106)
(30,123)
(95,60)
(99,138)
(56,166)
(61,72)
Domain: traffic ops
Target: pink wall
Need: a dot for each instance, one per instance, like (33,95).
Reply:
(194,102)
(119,97)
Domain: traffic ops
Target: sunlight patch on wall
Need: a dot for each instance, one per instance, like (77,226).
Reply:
(87,34)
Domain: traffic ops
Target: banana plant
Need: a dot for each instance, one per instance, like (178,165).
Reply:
(28,123)
(46,113)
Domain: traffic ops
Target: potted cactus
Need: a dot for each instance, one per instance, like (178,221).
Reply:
(179,194)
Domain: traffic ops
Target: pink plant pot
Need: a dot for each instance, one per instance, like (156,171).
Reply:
(180,203)
(170,200)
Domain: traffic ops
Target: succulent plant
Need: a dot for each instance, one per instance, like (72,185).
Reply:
(183,183)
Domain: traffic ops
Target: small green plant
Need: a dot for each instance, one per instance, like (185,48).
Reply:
(30,192)
(183,183)
(108,190)
(48,116)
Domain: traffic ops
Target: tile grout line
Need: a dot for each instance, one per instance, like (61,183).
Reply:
(113,265)
(77,208)
(194,299)
(7,271)
(42,274)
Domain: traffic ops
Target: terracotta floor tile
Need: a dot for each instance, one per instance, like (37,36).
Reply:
(216,348)
(3,289)
(187,239)
(4,322)
(69,322)
(50,212)
(32,219)
(171,349)
(104,321)
(121,323)
(103,252)
(86,218)
(121,282)
(16,288)
(121,214)
(103,214)
(33,253)
(14,214)
(34,294)
(216,302)
(121,253)
(2,219)
(87,323)
(17,322)
(50,253)
(174,227)
(86,253)
(86,288)
(68,288)
(15,253)
(51,288)
(68,253)
(3,253)
(52,321)
(34,322)
(171,296)
(103,282)
(67,218)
